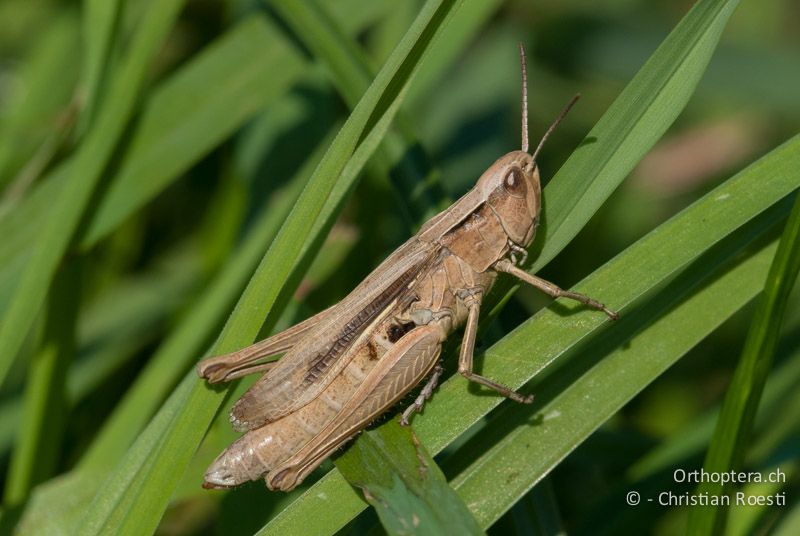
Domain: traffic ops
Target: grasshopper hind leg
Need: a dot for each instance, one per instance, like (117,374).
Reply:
(424,395)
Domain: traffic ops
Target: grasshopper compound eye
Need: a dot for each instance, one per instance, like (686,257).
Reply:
(514,182)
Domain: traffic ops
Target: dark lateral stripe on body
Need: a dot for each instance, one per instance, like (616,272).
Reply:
(356,325)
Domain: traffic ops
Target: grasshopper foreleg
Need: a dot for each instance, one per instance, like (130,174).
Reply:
(424,395)
(473,302)
(552,289)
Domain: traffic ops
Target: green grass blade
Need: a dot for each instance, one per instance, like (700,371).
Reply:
(400,479)
(38,446)
(186,117)
(100,21)
(790,524)
(133,499)
(108,335)
(46,83)
(731,437)
(68,208)
(650,103)
(635,121)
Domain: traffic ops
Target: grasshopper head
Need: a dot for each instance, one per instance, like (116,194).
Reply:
(512,186)
(512,189)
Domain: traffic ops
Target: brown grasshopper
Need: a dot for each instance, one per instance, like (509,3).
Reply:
(355,360)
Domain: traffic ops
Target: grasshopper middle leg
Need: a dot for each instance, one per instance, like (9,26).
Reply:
(473,302)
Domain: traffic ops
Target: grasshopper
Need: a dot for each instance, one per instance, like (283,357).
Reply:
(353,361)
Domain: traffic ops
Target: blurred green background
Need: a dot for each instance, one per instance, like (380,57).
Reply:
(197,186)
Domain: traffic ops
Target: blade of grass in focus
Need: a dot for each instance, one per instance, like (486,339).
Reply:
(732,435)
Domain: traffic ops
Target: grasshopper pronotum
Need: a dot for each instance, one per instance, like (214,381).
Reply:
(356,359)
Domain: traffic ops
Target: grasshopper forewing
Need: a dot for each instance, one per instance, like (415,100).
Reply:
(350,363)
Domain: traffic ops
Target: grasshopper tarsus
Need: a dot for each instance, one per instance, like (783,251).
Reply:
(213,372)
(612,314)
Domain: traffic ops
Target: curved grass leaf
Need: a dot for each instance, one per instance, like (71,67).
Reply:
(731,437)
(400,479)
(67,209)
(133,499)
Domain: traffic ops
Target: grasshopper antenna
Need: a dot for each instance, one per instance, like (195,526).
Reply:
(558,120)
(523,62)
